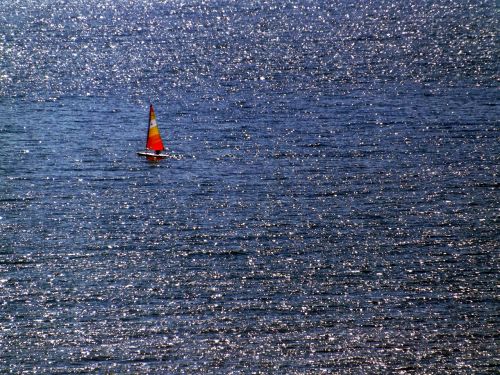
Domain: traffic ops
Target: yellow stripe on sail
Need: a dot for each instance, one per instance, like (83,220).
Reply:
(154,131)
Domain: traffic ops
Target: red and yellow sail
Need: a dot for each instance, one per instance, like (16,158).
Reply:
(154,141)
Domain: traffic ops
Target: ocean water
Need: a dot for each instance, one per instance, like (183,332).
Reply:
(334,208)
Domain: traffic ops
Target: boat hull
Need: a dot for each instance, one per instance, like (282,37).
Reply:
(153,155)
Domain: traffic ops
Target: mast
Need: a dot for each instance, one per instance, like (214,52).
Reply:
(149,123)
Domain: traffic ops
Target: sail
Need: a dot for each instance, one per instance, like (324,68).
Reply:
(154,141)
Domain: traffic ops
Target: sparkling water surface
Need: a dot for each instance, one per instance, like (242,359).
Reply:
(334,208)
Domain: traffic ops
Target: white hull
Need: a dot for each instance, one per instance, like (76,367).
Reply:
(154,155)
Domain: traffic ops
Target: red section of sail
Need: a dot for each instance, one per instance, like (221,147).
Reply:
(154,141)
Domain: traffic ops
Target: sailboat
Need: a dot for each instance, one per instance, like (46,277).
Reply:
(154,144)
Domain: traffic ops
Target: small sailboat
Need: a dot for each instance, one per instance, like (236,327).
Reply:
(154,144)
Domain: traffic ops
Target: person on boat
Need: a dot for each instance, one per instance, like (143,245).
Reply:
(157,152)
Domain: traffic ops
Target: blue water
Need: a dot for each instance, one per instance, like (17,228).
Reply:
(334,209)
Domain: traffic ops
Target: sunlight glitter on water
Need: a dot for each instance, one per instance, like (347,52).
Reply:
(334,209)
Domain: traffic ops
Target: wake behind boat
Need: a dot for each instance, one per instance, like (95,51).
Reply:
(154,145)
